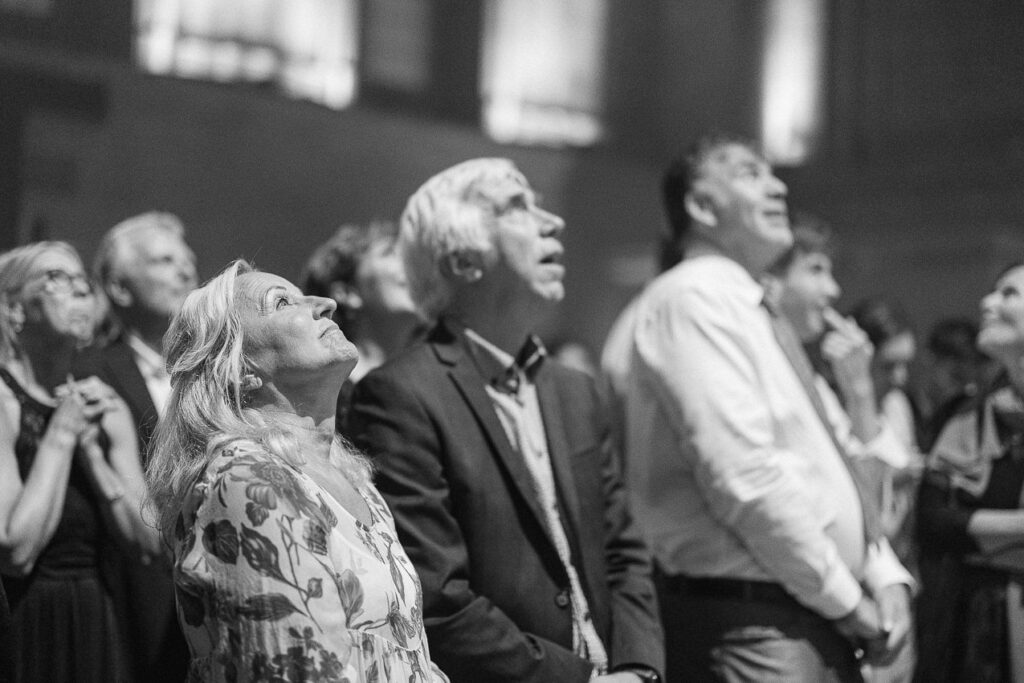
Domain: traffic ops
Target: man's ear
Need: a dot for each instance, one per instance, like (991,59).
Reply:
(118,294)
(699,207)
(348,297)
(463,266)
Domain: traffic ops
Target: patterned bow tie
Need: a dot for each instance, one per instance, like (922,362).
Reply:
(525,364)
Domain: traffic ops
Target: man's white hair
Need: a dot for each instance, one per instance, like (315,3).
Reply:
(448,214)
(118,247)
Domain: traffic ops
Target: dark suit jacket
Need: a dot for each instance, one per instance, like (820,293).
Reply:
(115,365)
(143,594)
(495,594)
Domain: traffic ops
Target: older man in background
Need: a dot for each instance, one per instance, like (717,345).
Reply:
(146,270)
(497,462)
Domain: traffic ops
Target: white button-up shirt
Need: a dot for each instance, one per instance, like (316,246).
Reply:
(733,473)
(154,371)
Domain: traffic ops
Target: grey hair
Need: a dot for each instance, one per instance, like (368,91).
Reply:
(117,246)
(15,268)
(206,412)
(447,215)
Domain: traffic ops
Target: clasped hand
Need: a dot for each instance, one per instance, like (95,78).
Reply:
(82,405)
(880,626)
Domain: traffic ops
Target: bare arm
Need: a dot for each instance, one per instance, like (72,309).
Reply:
(994,530)
(117,477)
(31,508)
(849,352)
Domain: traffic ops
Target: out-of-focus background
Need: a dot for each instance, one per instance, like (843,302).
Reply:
(265,124)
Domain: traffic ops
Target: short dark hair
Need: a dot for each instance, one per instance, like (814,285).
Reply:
(337,260)
(811,235)
(881,320)
(955,339)
(679,178)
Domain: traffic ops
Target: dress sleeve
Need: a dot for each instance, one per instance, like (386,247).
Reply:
(265,593)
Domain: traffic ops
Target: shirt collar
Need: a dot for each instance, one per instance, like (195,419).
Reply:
(726,271)
(152,361)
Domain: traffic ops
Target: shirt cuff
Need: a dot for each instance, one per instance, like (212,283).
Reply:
(839,595)
(886,447)
(883,569)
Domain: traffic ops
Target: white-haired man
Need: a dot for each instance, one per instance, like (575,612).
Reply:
(146,270)
(497,463)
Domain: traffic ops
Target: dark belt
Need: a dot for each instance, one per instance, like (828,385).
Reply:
(728,589)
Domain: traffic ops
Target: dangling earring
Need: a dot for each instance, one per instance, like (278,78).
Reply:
(248,386)
(16,327)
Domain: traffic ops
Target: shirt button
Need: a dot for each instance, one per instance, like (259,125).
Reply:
(562,599)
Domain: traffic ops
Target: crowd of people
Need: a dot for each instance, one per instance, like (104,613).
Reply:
(379,473)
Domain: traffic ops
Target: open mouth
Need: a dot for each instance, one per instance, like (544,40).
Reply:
(553,259)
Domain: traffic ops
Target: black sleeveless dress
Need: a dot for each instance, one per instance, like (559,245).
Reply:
(63,626)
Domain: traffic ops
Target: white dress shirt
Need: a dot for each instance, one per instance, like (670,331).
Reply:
(733,473)
(153,369)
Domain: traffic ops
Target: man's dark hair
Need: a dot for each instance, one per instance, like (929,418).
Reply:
(337,260)
(678,179)
(881,320)
(811,235)
(955,339)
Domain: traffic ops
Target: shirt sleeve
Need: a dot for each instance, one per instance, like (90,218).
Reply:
(702,354)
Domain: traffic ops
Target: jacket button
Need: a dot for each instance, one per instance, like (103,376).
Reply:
(562,599)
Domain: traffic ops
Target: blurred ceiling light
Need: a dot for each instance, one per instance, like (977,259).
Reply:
(791,97)
(542,75)
(307,47)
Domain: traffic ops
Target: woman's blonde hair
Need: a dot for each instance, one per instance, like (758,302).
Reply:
(206,412)
(15,268)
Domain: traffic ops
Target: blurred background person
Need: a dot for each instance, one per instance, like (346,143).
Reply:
(894,351)
(287,561)
(145,269)
(952,372)
(70,480)
(359,268)
(864,370)
(972,514)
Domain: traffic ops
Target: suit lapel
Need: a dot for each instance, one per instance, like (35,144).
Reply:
(121,363)
(466,376)
(559,450)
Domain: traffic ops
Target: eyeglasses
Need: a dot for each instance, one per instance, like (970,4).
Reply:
(63,283)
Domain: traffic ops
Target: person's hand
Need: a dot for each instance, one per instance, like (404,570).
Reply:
(894,610)
(848,350)
(98,396)
(863,623)
(73,415)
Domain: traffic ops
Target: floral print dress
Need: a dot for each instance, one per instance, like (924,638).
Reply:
(276,581)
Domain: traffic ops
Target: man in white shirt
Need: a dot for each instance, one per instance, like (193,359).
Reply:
(771,568)
(146,270)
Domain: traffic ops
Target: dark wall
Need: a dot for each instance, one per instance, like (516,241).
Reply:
(921,175)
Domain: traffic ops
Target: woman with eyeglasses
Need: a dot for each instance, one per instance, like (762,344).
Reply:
(70,480)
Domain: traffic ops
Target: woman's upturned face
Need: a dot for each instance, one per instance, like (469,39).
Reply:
(289,336)
(58,299)
(1002,317)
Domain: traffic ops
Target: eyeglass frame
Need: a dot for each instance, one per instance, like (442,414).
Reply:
(60,282)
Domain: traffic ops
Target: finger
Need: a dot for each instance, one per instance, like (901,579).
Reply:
(837,322)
